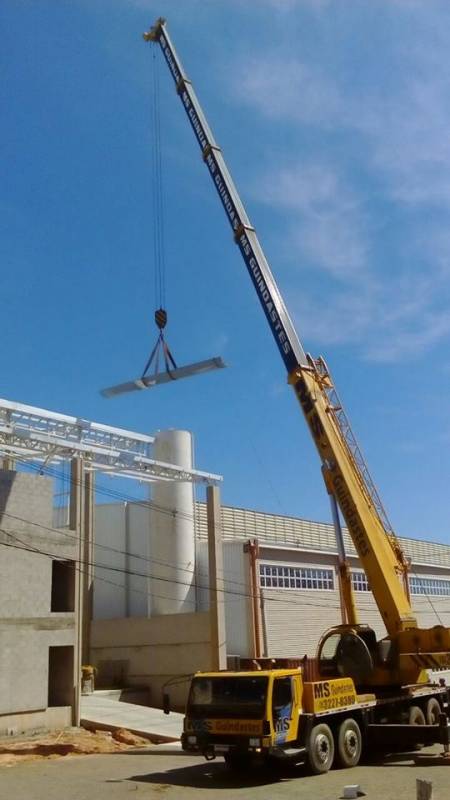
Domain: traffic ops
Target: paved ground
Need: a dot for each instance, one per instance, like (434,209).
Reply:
(142,773)
(105,709)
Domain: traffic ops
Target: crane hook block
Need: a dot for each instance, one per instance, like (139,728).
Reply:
(161,318)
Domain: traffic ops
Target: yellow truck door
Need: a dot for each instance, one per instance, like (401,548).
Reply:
(284,716)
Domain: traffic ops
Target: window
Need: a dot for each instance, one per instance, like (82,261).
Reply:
(433,586)
(63,586)
(274,577)
(282,694)
(360,582)
(227,697)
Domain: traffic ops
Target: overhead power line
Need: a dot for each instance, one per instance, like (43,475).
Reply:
(158,509)
(149,576)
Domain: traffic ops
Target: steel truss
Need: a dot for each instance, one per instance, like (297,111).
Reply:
(36,434)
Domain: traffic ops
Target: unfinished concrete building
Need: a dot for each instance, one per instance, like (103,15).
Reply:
(48,560)
(38,632)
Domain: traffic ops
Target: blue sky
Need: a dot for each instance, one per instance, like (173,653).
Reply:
(334,121)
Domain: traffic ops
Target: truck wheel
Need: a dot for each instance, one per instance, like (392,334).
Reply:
(320,749)
(238,762)
(349,744)
(433,711)
(416,716)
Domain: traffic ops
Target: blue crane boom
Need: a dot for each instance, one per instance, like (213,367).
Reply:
(245,237)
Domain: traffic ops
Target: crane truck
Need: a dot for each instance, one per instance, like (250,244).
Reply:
(358,689)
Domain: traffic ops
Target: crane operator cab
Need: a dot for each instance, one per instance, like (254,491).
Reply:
(353,651)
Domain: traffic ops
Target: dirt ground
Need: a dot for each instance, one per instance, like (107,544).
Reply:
(73,742)
(148,773)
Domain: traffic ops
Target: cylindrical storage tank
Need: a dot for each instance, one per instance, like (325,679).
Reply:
(172,535)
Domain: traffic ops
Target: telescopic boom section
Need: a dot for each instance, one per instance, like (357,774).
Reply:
(347,475)
(244,234)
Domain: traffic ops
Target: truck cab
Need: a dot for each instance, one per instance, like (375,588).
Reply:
(240,714)
(296,713)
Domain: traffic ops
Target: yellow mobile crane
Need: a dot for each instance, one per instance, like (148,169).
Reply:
(357,683)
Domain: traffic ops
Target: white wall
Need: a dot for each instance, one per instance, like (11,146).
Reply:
(121,529)
(152,651)
(238,622)
(138,521)
(109,585)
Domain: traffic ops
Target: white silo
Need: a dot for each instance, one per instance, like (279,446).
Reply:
(172,535)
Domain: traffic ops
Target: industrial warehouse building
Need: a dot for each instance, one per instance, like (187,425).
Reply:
(168,585)
(297,581)
(279,596)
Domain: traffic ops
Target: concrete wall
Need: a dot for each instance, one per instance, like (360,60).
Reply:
(46,720)
(28,627)
(149,652)
(238,608)
(121,529)
(109,527)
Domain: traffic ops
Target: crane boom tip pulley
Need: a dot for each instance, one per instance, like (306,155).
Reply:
(153,34)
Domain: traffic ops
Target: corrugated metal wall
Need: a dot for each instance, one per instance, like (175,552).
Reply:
(431,609)
(294,619)
(241,523)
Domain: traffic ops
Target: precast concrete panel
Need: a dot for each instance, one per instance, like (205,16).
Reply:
(238,607)
(138,559)
(172,539)
(238,619)
(110,561)
(26,499)
(25,583)
(23,670)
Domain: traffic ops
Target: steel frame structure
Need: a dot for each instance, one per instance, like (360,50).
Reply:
(36,434)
